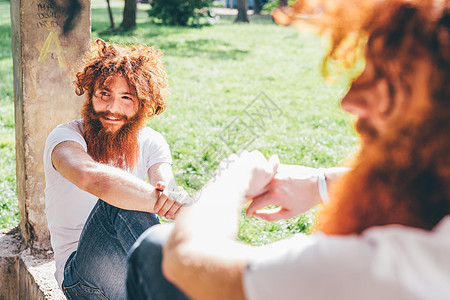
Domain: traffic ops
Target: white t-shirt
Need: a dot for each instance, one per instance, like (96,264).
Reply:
(386,262)
(66,206)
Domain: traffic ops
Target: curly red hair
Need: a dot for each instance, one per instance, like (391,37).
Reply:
(405,177)
(139,64)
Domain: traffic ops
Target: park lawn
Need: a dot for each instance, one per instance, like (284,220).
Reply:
(9,212)
(233,86)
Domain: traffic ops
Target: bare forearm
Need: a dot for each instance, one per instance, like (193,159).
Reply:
(115,186)
(333,174)
(119,188)
(296,171)
(214,208)
(203,233)
(202,255)
(188,265)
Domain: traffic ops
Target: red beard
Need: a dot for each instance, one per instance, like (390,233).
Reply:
(119,149)
(366,130)
(394,181)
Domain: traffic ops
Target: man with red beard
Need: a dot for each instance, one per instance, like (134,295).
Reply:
(97,202)
(386,227)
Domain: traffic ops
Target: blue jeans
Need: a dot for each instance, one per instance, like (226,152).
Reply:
(97,269)
(145,280)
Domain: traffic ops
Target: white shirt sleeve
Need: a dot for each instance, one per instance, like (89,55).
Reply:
(64,132)
(389,262)
(155,148)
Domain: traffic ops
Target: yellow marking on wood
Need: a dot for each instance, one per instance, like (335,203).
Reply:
(52,45)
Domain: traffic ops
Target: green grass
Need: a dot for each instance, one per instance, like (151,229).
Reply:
(215,73)
(9,212)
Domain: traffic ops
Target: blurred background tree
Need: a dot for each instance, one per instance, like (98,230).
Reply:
(242,7)
(180,12)
(257,7)
(111,16)
(129,15)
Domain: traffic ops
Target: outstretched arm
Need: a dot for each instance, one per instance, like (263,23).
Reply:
(294,189)
(112,185)
(161,176)
(202,256)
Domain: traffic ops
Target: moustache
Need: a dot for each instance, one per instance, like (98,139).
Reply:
(106,114)
(366,129)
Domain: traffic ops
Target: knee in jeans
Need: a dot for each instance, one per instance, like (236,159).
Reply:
(155,236)
(150,243)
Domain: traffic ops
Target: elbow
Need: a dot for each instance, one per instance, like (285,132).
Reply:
(86,180)
(83,180)
(174,258)
(168,265)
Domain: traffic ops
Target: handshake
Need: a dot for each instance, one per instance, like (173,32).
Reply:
(176,193)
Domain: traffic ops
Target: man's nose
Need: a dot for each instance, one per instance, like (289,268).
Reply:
(355,104)
(114,105)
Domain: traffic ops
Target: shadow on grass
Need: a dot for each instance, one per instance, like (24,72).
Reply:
(209,48)
(5,42)
(151,30)
(263,19)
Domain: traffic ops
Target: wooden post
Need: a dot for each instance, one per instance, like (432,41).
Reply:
(44,63)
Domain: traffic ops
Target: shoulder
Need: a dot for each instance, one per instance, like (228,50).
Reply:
(71,131)
(380,262)
(374,262)
(149,135)
(75,126)
(153,147)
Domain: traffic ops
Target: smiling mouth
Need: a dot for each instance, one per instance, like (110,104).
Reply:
(112,118)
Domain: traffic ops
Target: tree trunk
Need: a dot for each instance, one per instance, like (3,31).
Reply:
(282,3)
(111,18)
(129,15)
(242,7)
(256,7)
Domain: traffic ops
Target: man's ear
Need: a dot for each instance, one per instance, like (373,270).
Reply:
(391,91)
(385,101)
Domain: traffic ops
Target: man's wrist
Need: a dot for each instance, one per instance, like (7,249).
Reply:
(322,186)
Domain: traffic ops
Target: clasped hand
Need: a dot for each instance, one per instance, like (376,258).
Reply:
(265,182)
(259,181)
(293,189)
(248,173)
(169,203)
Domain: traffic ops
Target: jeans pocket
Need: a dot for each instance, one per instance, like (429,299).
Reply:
(81,291)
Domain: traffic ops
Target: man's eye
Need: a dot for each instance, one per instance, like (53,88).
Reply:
(127,98)
(101,94)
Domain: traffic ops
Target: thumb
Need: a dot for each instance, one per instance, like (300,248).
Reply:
(274,162)
(273,214)
(257,203)
(160,186)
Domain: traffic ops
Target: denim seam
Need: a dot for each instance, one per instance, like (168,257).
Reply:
(78,276)
(111,234)
(86,287)
(128,226)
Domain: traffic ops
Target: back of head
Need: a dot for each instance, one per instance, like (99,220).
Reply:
(388,30)
(405,179)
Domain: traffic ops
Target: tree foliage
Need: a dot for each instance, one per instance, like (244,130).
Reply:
(180,12)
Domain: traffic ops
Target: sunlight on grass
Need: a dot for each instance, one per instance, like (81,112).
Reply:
(9,209)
